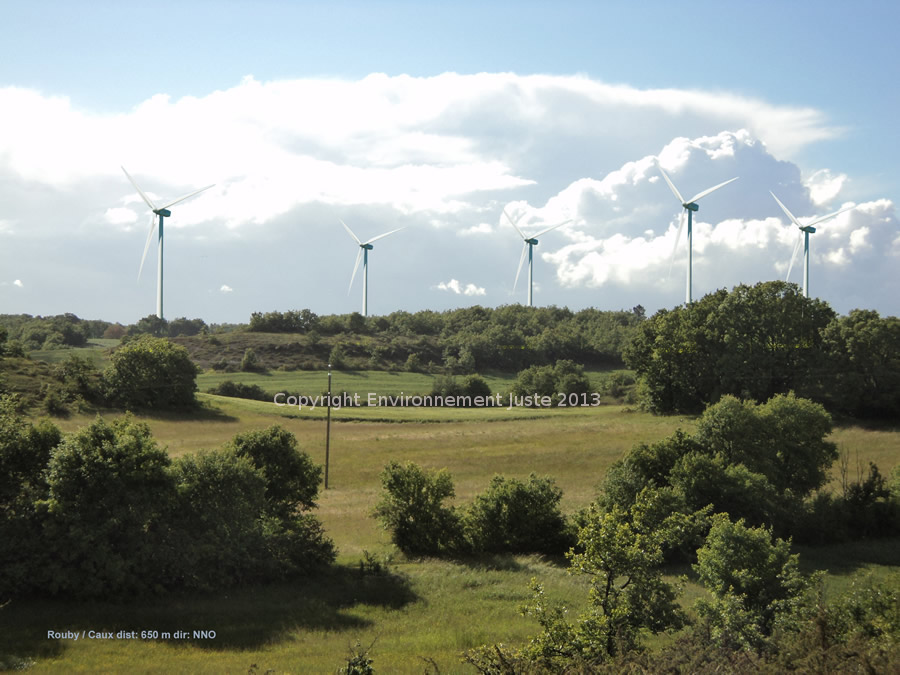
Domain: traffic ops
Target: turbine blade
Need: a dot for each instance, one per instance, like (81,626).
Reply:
(187,196)
(677,239)
(140,192)
(521,260)
(355,267)
(787,213)
(542,232)
(830,215)
(672,185)
(712,189)
(382,236)
(513,223)
(355,238)
(794,256)
(153,218)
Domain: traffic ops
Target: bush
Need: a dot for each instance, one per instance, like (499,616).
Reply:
(475,385)
(412,509)
(252,392)
(251,363)
(514,516)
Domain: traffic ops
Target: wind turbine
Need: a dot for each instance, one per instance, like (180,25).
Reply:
(805,231)
(528,247)
(690,206)
(364,248)
(162,212)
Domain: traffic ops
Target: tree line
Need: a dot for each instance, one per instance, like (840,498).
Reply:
(757,341)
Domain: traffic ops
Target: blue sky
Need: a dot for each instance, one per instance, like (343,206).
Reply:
(812,83)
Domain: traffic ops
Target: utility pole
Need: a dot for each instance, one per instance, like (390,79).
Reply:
(328,428)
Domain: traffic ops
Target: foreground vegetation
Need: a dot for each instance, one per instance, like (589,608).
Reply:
(412,609)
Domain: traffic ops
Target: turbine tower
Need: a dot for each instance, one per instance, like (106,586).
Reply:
(805,231)
(528,247)
(162,212)
(690,206)
(364,248)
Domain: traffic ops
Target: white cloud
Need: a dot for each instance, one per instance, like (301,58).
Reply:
(823,186)
(18,283)
(454,286)
(226,289)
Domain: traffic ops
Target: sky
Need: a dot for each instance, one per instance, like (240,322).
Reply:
(436,118)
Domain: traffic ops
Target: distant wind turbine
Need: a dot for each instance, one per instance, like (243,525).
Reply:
(364,248)
(162,212)
(805,231)
(528,247)
(690,206)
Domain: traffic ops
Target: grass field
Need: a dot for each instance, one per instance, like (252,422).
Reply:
(427,609)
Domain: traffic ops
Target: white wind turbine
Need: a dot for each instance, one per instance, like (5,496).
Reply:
(162,212)
(805,231)
(364,248)
(528,247)
(690,206)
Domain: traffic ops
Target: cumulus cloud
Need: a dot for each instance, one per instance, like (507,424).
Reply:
(442,156)
(18,283)
(454,286)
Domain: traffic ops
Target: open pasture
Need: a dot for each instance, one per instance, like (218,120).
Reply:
(420,609)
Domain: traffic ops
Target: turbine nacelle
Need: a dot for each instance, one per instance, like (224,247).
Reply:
(533,242)
(368,247)
(691,207)
(165,213)
(808,229)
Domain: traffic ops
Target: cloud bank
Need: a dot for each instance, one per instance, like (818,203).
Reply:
(440,156)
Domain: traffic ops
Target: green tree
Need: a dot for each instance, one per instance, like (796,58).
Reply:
(412,509)
(753,578)
(149,372)
(621,552)
(109,489)
(291,478)
(754,342)
(862,373)
(25,451)
(515,516)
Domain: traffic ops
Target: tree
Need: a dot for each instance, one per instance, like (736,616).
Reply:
(621,551)
(514,516)
(753,342)
(753,580)
(109,490)
(25,450)
(412,509)
(149,372)
(862,373)
(291,478)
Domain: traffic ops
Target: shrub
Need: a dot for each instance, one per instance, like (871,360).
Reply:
(240,390)
(251,363)
(514,516)
(412,509)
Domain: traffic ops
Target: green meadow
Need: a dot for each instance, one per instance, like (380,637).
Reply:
(417,615)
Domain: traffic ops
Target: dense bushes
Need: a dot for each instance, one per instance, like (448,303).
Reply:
(512,516)
(106,513)
(757,462)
